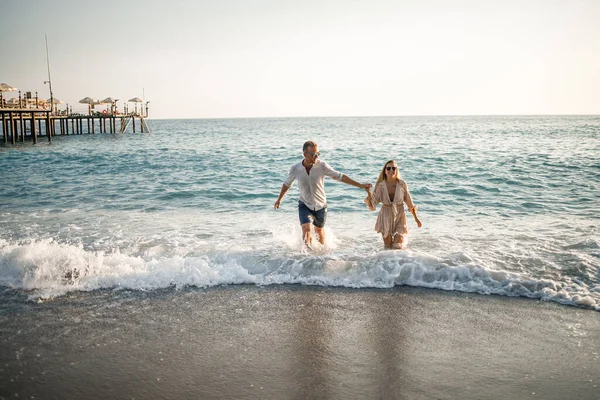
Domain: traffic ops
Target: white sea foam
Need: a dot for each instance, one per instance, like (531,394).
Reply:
(491,192)
(47,269)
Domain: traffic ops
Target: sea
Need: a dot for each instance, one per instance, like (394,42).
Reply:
(510,206)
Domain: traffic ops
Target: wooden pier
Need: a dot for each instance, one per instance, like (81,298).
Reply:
(23,124)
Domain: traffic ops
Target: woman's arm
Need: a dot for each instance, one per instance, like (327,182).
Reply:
(411,206)
(414,213)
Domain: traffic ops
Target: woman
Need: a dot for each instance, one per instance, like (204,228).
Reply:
(393,193)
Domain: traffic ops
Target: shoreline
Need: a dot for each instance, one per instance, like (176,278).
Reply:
(290,341)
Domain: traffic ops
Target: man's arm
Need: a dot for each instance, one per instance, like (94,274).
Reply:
(338,176)
(284,189)
(350,181)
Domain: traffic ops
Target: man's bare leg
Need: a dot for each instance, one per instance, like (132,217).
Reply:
(320,234)
(306,236)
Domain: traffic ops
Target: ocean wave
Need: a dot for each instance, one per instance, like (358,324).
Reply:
(588,244)
(47,269)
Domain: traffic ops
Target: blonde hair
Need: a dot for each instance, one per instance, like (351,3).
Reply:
(383,177)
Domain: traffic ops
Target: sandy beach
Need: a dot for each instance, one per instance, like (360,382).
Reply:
(279,342)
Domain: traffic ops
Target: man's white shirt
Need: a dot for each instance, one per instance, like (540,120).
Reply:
(311,185)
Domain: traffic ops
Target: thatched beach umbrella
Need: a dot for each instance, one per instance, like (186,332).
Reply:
(4,87)
(7,88)
(89,101)
(54,102)
(112,102)
(135,100)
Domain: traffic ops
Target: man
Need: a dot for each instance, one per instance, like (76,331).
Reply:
(312,203)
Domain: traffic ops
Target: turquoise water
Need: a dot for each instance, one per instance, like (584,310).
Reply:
(509,206)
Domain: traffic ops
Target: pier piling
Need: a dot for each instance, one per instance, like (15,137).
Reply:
(19,124)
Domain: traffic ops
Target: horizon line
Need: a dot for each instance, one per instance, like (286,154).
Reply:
(390,116)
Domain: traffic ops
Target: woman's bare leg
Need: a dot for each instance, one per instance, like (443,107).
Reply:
(387,241)
(398,242)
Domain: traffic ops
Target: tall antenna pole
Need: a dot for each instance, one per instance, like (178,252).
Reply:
(49,79)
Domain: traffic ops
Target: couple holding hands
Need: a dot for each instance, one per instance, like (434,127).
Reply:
(389,190)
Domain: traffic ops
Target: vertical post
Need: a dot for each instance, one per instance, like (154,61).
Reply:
(48,128)
(33,131)
(133,122)
(12,129)
(22,128)
(4,128)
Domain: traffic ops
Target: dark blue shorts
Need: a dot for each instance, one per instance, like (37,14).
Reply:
(306,214)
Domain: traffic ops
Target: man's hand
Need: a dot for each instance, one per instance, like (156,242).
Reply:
(282,193)
(365,186)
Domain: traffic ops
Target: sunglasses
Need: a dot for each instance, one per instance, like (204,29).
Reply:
(316,154)
(390,168)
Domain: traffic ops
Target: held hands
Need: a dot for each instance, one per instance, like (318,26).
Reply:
(277,204)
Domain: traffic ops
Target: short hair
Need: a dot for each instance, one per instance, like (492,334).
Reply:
(308,144)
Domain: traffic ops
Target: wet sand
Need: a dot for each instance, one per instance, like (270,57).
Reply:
(294,342)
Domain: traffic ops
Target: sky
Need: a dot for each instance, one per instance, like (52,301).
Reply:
(280,58)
